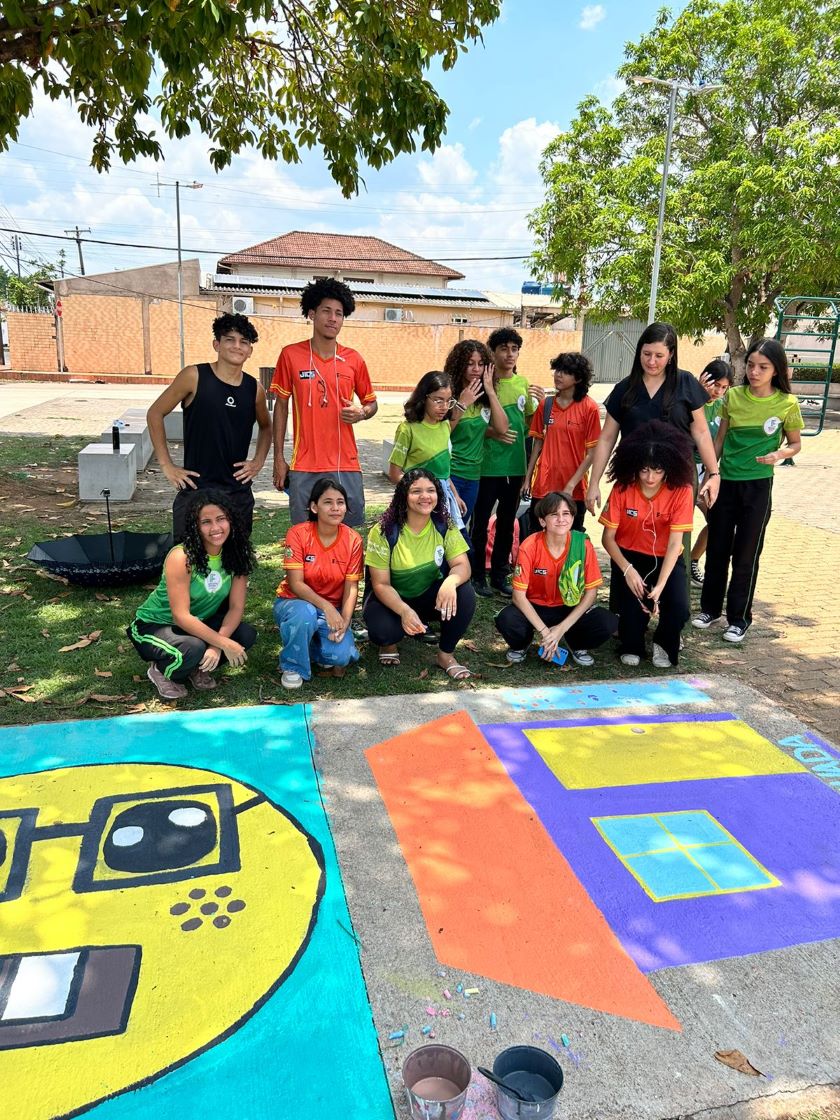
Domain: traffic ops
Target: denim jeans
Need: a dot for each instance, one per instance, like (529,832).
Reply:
(305,638)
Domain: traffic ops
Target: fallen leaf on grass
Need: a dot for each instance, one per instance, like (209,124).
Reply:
(468,643)
(102,598)
(500,665)
(18,694)
(13,668)
(421,676)
(19,687)
(49,575)
(45,633)
(136,709)
(82,643)
(137,679)
(65,505)
(104,698)
(736,1060)
(102,673)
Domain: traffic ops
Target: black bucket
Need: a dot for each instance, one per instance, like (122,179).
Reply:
(536,1075)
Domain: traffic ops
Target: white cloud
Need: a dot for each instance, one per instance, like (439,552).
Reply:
(591,16)
(448,167)
(609,88)
(474,123)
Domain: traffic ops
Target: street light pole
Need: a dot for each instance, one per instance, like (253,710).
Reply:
(675,86)
(192,187)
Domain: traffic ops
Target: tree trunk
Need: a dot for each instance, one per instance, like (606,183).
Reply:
(734,342)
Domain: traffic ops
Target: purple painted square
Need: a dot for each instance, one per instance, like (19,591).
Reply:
(790,823)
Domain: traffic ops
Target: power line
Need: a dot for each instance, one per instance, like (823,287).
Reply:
(230,252)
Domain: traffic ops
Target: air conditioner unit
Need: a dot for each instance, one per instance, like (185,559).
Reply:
(393,315)
(243,305)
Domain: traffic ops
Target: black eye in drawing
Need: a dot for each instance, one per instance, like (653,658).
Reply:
(160,836)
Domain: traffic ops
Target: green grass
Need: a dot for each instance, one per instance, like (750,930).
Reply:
(39,615)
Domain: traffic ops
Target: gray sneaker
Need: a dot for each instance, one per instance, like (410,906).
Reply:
(582,657)
(291,679)
(167,690)
(202,680)
(516,656)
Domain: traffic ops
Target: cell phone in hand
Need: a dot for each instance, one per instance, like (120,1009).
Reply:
(560,655)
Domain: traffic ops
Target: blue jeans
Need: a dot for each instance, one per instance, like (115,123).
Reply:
(305,637)
(468,492)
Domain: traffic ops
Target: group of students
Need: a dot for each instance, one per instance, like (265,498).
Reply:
(668,440)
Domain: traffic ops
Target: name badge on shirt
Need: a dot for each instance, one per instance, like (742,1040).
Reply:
(485,415)
(309,559)
(772,425)
(632,512)
(439,555)
(307,374)
(212,582)
(540,571)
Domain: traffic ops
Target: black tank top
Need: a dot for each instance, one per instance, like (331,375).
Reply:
(218,424)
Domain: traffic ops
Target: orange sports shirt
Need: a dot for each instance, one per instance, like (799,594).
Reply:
(537,572)
(644,524)
(324,569)
(571,432)
(320,388)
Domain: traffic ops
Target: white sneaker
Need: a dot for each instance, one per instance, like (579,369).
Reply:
(290,679)
(734,633)
(516,656)
(660,658)
(630,659)
(703,621)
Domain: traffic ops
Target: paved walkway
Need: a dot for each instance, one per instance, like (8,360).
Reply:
(791,651)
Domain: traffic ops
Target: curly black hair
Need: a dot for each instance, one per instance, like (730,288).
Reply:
(775,353)
(458,359)
(579,366)
(397,511)
(654,332)
(655,444)
(552,502)
(237,553)
(415,407)
(314,294)
(502,335)
(241,323)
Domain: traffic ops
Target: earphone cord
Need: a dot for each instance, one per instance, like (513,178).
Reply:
(652,531)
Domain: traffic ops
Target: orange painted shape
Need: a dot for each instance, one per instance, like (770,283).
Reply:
(498,897)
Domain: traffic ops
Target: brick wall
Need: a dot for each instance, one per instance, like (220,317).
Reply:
(31,341)
(103,334)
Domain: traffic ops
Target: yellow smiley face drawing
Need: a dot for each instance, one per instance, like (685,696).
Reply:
(146,911)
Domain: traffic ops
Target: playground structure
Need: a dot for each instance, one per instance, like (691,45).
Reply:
(807,327)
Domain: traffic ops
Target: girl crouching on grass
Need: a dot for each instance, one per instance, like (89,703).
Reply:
(650,507)
(194,616)
(554,589)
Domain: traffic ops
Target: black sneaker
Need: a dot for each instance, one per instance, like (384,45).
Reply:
(481,588)
(501,587)
(696,574)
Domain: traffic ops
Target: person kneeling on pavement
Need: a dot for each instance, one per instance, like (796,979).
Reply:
(554,589)
(314,607)
(194,616)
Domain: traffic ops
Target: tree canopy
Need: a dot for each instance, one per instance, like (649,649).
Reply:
(278,75)
(751,209)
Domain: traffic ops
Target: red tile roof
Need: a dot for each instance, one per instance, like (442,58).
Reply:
(337,252)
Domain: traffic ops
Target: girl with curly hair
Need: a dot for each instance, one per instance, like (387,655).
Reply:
(194,615)
(418,571)
(564,434)
(476,414)
(650,507)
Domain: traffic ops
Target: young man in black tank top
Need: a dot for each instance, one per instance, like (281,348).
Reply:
(221,402)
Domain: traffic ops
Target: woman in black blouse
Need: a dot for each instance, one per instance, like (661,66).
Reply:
(657,389)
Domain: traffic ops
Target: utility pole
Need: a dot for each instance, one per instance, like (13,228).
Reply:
(193,187)
(16,245)
(78,233)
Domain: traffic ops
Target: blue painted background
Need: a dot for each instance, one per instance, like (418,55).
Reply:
(311,1050)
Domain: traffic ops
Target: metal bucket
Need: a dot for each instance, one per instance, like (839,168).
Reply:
(436,1080)
(534,1072)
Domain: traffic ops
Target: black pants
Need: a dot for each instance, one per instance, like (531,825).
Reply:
(590,631)
(673,606)
(177,653)
(737,523)
(505,491)
(242,501)
(385,627)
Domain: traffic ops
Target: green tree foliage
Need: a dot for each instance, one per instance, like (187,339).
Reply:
(752,210)
(24,293)
(279,75)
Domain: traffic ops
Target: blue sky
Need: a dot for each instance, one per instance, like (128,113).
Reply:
(507,99)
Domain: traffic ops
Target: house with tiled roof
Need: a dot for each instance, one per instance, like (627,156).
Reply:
(389,283)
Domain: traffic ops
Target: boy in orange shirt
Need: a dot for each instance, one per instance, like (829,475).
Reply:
(564,434)
(649,509)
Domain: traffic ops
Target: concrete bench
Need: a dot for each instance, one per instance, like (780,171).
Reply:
(101,467)
(173,425)
(387,448)
(136,432)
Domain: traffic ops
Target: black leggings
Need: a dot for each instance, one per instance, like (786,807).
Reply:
(737,524)
(175,652)
(505,491)
(591,630)
(673,606)
(385,627)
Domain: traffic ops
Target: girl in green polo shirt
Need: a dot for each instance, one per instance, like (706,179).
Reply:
(194,616)
(755,417)
(422,439)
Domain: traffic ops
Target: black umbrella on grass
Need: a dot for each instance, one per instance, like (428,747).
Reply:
(104,559)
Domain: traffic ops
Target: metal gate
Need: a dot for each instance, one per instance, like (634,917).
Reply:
(610,347)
